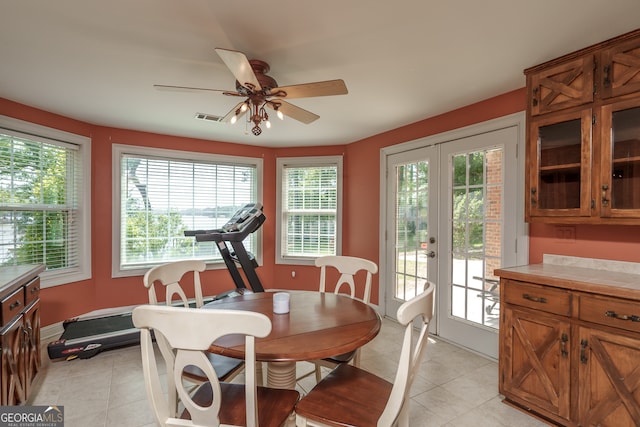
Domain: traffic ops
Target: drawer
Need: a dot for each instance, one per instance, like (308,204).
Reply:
(543,298)
(618,313)
(32,291)
(12,305)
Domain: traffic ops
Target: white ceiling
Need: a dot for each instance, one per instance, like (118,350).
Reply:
(402,60)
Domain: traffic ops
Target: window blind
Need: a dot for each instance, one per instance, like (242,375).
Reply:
(39,201)
(309,209)
(162,197)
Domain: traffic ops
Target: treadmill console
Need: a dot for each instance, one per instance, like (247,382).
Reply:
(243,217)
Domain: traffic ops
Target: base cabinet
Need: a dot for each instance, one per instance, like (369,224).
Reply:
(20,359)
(569,356)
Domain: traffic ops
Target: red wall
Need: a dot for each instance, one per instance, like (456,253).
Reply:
(361,206)
(613,242)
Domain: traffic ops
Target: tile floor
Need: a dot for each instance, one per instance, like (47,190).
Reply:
(455,388)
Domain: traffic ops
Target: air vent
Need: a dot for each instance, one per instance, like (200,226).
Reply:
(208,117)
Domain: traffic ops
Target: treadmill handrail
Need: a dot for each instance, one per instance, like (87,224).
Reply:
(229,236)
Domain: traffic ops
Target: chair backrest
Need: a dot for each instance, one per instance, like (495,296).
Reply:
(190,332)
(347,266)
(170,275)
(420,307)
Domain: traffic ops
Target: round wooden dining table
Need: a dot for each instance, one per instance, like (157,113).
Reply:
(318,325)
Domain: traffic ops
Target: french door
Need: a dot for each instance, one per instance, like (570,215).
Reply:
(412,182)
(453,215)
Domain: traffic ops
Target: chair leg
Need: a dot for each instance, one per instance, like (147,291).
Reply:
(318,373)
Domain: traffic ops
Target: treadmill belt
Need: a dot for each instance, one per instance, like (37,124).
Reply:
(98,326)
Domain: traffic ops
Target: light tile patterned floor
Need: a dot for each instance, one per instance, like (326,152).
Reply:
(455,388)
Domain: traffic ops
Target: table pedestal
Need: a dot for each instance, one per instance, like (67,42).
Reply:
(281,375)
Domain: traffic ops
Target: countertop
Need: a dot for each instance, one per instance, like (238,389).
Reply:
(597,276)
(13,277)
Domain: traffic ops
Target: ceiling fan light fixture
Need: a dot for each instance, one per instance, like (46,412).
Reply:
(257,90)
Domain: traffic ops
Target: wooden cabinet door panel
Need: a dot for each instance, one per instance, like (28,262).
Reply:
(13,374)
(565,85)
(621,69)
(609,378)
(618,193)
(559,165)
(32,344)
(536,360)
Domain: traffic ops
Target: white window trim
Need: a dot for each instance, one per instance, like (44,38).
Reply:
(281,162)
(83,272)
(120,149)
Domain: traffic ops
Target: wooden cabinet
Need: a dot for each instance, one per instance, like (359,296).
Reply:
(536,360)
(19,333)
(570,345)
(583,138)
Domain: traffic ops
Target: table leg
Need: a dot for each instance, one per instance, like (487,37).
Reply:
(281,375)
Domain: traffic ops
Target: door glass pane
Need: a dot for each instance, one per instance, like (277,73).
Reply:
(477,235)
(412,246)
(560,156)
(625,167)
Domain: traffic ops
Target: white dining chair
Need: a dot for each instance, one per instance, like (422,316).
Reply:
(350,396)
(168,277)
(189,332)
(348,268)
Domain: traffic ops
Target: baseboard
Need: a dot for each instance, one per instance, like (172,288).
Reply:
(51,333)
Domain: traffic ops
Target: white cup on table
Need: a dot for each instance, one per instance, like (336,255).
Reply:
(281,302)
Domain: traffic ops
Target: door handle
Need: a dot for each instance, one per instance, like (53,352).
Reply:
(431,254)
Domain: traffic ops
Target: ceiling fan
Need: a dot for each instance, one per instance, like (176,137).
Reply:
(261,92)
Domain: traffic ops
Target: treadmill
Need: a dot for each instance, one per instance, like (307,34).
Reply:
(87,336)
(245,221)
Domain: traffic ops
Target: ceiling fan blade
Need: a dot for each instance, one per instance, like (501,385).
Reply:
(239,65)
(296,113)
(308,90)
(191,89)
(235,111)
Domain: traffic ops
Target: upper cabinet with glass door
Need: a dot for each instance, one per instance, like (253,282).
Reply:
(583,139)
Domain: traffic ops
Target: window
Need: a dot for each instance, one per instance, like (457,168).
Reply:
(45,201)
(158,194)
(309,203)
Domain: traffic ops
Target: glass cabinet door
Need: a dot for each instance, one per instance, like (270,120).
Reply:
(620,178)
(559,176)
